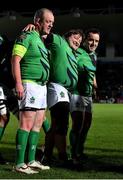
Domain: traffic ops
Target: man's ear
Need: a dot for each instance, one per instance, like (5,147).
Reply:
(37,22)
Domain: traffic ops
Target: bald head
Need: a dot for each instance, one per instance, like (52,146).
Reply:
(43,21)
(40,13)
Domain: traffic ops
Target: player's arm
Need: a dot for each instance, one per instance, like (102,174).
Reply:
(29,27)
(17,54)
(95,83)
(48,39)
(95,89)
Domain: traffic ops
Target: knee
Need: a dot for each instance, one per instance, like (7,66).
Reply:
(61,129)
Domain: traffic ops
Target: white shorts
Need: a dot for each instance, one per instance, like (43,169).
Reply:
(80,103)
(57,93)
(3,108)
(35,96)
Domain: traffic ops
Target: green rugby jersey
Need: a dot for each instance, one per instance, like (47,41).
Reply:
(63,64)
(35,63)
(86,70)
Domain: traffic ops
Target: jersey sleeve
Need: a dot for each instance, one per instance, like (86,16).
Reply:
(24,39)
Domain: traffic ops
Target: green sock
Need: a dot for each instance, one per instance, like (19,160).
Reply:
(21,143)
(1,132)
(33,141)
(46,125)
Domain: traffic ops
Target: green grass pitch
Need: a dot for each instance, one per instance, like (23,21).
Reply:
(104,147)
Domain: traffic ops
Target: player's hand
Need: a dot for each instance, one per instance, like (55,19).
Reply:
(29,27)
(19,90)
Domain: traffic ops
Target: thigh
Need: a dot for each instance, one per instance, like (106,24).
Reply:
(60,117)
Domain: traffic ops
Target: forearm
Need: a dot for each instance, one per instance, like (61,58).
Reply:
(15,61)
(95,83)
